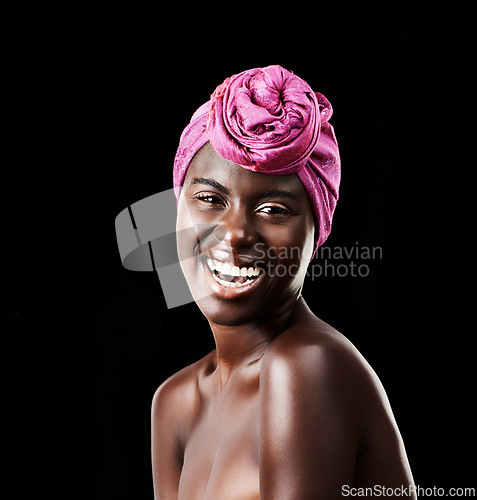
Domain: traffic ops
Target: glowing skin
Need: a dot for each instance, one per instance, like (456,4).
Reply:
(285,408)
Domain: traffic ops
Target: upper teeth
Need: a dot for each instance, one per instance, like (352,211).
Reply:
(225,268)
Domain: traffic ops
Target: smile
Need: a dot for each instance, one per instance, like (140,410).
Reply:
(232,276)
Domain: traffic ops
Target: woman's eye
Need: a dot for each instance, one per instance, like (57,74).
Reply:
(209,198)
(272,209)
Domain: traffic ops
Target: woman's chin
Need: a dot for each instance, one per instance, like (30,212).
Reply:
(224,313)
(243,300)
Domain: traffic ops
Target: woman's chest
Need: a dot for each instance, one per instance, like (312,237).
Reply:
(221,454)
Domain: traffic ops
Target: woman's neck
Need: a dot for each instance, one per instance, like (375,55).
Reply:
(239,345)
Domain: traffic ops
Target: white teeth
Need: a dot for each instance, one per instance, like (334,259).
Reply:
(235,271)
(231,283)
(225,268)
(212,264)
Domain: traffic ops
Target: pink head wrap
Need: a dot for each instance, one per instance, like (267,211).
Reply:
(270,120)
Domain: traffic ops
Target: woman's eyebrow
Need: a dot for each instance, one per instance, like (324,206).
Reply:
(211,183)
(278,193)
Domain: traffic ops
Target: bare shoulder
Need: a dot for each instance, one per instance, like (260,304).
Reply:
(174,406)
(178,394)
(313,373)
(315,359)
(318,352)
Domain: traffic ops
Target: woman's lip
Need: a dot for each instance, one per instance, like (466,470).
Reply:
(228,292)
(248,272)
(233,259)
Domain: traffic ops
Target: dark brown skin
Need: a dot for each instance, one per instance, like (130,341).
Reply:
(285,407)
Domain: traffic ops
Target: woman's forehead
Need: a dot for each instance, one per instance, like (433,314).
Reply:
(209,165)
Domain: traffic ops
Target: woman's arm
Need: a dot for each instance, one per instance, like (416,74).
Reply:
(325,421)
(309,435)
(166,453)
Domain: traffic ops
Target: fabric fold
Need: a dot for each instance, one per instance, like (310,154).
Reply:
(269,120)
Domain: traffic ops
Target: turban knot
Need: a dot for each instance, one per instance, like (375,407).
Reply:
(269,120)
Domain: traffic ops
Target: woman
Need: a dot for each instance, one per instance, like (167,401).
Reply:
(285,407)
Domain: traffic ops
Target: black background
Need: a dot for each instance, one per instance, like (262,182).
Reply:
(97,96)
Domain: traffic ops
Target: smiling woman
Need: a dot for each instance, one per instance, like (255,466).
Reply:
(245,209)
(285,407)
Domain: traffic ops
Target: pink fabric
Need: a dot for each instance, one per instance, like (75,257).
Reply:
(270,120)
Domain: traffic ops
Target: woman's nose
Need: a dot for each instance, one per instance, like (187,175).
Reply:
(236,229)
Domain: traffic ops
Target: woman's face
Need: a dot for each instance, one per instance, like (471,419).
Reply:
(244,238)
